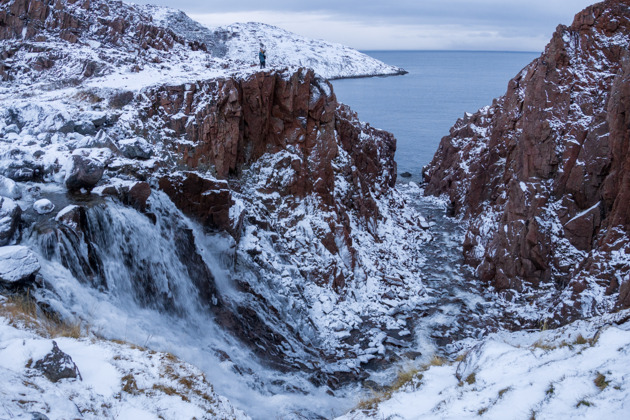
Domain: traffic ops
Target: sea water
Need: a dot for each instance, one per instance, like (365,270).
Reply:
(420,107)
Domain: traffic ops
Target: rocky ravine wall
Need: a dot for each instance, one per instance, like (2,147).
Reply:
(543,176)
(235,122)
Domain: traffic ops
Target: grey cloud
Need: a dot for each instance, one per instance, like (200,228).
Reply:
(514,18)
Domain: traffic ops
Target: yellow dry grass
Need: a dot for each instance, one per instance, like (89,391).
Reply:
(22,310)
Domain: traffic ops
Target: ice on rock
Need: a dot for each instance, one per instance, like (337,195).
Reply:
(43,206)
(17,263)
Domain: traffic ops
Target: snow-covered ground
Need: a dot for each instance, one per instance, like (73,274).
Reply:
(239,44)
(117,379)
(581,371)
(286,49)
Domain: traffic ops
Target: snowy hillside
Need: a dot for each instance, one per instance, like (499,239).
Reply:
(581,371)
(94,378)
(239,44)
(286,49)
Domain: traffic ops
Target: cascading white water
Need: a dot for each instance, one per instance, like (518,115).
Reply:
(147,297)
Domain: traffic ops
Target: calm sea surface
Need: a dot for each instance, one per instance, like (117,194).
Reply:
(421,107)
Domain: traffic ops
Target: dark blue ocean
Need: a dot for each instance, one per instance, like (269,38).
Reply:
(419,108)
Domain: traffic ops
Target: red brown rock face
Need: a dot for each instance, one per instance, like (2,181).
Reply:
(28,19)
(204,199)
(543,174)
(291,122)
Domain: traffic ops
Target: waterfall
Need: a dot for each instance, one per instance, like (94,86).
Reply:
(160,281)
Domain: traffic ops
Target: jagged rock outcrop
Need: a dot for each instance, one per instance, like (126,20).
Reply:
(71,19)
(207,200)
(294,122)
(543,176)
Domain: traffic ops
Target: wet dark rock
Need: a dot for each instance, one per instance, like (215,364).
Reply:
(135,195)
(84,174)
(25,172)
(406,175)
(67,127)
(57,365)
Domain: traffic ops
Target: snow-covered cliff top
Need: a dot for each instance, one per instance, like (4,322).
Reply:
(239,44)
(284,48)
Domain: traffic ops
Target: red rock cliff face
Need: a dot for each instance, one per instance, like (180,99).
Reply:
(543,175)
(289,128)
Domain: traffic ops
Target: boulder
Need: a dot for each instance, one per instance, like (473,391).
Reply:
(135,148)
(85,173)
(43,206)
(9,188)
(17,264)
(85,128)
(58,365)
(10,214)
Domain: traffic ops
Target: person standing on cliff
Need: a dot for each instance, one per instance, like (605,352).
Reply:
(262,57)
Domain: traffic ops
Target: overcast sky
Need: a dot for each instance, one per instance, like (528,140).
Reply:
(509,25)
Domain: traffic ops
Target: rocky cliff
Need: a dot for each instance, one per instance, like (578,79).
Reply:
(542,175)
(248,208)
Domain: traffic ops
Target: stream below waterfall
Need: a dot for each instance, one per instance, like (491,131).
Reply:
(455,307)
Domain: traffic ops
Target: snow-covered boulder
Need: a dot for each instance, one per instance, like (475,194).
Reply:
(135,148)
(8,188)
(57,365)
(85,173)
(17,263)
(10,214)
(43,206)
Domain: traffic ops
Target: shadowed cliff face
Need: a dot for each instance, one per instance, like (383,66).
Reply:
(542,174)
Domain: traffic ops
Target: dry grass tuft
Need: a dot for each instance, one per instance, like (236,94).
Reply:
(584,403)
(88,96)
(130,386)
(23,311)
(436,361)
(581,340)
(168,390)
(471,379)
(404,377)
(503,391)
(600,381)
